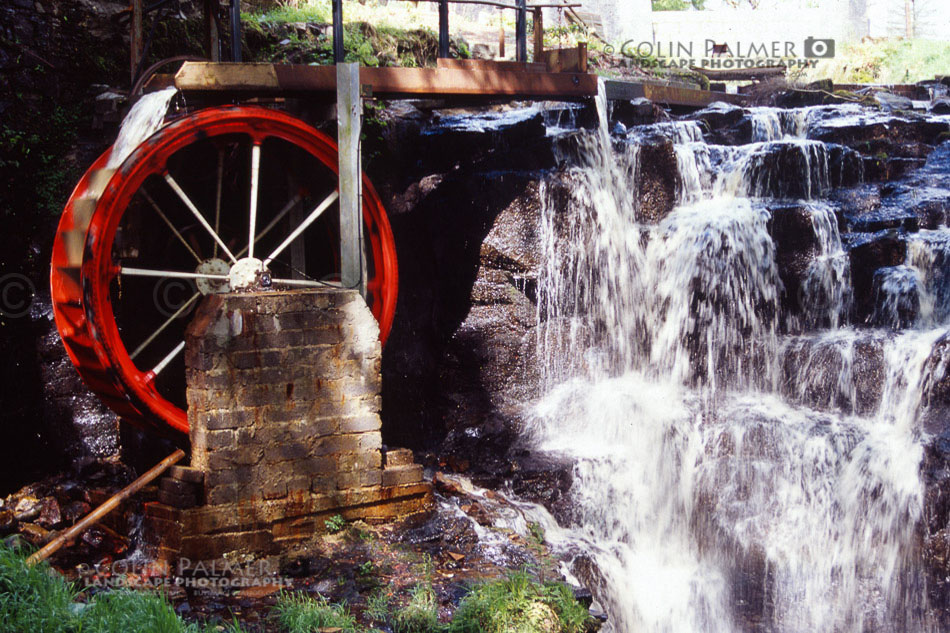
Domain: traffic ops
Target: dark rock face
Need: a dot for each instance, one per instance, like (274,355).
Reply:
(658,180)
(893,137)
(795,248)
(869,253)
(811,369)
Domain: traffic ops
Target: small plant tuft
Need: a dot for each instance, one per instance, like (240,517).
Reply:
(420,614)
(520,604)
(335,524)
(297,613)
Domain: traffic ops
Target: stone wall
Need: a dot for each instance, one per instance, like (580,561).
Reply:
(283,404)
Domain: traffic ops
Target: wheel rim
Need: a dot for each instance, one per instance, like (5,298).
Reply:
(164,181)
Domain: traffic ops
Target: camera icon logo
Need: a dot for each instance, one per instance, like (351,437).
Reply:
(821,49)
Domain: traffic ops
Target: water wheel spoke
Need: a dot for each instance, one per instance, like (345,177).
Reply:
(217,199)
(255,185)
(270,225)
(167,360)
(168,274)
(168,222)
(316,213)
(201,219)
(306,283)
(178,313)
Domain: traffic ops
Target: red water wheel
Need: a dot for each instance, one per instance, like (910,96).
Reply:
(209,202)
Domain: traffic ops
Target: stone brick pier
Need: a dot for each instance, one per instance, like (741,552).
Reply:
(283,403)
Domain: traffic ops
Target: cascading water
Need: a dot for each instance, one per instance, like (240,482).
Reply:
(718,486)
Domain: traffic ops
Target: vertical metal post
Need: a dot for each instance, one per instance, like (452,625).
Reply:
(339,54)
(235,30)
(538,34)
(443,29)
(349,110)
(521,32)
(136,40)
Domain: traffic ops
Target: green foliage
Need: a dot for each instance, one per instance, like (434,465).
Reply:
(35,599)
(335,524)
(297,613)
(678,5)
(32,598)
(537,532)
(520,604)
(124,611)
(884,62)
(420,614)
(377,605)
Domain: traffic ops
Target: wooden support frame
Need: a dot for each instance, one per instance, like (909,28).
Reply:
(136,36)
(538,33)
(339,54)
(212,32)
(349,109)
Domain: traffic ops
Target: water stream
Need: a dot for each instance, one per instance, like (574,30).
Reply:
(713,489)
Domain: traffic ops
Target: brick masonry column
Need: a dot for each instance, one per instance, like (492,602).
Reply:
(283,394)
(283,404)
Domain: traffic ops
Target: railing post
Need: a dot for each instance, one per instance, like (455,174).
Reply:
(349,111)
(521,32)
(235,30)
(339,54)
(538,34)
(444,29)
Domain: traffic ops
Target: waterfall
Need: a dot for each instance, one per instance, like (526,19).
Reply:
(722,482)
(143,120)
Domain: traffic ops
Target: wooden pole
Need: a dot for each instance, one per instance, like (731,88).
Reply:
(349,109)
(501,42)
(107,507)
(538,34)
(137,42)
(444,29)
(212,36)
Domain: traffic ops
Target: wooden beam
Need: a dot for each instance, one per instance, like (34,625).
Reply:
(393,83)
(349,111)
(212,34)
(491,64)
(136,40)
(670,95)
(740,74)
(538,34)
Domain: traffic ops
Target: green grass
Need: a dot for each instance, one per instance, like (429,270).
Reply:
(297,613)
(123,611)
(335,524)
(420,614)
(519,604)
(35,599)
(32,598)
(885,62)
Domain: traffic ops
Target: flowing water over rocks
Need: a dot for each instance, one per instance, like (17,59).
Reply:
(743,383)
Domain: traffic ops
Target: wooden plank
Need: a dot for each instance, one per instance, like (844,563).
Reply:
(741,74)
(560,60)
(267,79)
(670,95)
(538,34)
(137,43)
(349,108)
(491,64)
